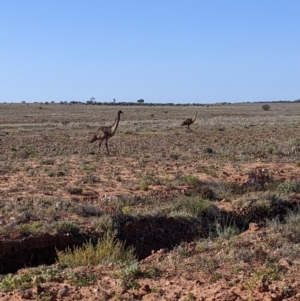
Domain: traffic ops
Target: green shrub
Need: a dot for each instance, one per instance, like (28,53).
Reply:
(289,187)
(30,228)
(197,207)
(103,224)
(108,249)
(128,276)
(144,186)
(67,227)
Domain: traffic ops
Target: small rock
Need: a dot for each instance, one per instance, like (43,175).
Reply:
(39,290)
(63,292)
(161,251)
(197,282)
(26,294)
(231,296)
(146,288)
(263,286)
(176,296)
(285,263)
(253,227)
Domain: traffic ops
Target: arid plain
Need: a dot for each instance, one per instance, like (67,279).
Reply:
(213,213)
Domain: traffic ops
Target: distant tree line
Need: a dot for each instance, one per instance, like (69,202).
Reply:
(95,103)
(141,102)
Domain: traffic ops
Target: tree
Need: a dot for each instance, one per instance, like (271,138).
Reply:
(140,101)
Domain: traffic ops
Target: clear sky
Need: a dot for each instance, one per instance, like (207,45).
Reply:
(179,51)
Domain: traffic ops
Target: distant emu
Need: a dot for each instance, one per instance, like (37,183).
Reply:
(106,132)
(189,121)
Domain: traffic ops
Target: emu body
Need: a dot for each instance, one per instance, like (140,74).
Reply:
(189,121)
(106,132)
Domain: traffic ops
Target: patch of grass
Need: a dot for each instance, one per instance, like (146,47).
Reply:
(21,281)
(44,296)
(292,228)
(30,228)
(48,161)
(128,276)
(126,210)
(153,273)
(88,210)
(196,207)
(289,187)
(151,179)
(108,249)
(91,179)
(215,277)
(270,149)
(190,297)
(30,278)
(5,168)
(144,186)
(75,190)
(90,168)
(67,227)
(227,231)
(192,180)
(103,224)
(81,279)
(128,132)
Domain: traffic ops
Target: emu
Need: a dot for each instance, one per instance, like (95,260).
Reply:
(189,121)
(106,132)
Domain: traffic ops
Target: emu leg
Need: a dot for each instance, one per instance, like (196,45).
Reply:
(99,146)
(107,147)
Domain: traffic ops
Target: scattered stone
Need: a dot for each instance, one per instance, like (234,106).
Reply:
(197,282)
(146,288)
(286,263)
(231,296)
(263,285)
(25,294)
(176,296)
(253,227)
(162,251)
(39,290)
(63,291)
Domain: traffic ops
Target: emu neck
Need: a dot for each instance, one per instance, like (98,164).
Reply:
(194,118)
(115,125)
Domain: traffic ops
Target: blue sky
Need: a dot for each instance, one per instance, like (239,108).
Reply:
(190,51)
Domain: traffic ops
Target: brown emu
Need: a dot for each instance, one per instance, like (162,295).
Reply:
(106,132)
(189,121)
